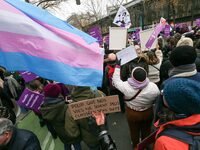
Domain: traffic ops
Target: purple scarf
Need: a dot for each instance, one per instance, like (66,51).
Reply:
(138,85)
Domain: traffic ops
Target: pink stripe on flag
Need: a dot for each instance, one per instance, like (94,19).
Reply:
(5,6)
(72,38)
(43,48)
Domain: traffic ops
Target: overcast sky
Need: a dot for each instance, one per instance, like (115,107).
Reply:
(69,7)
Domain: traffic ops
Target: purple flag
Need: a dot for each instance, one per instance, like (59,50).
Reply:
(96,33)
(198,22)
(31,100)
(167,30)
(155,33)
(28,76)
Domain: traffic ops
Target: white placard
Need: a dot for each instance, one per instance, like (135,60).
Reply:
(144,37)
(127,55)
(117,38)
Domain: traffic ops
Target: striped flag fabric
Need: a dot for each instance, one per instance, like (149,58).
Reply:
(31,39)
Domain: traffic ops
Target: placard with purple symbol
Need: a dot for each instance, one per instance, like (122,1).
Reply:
(136,35)
(167,30)
(155,33)
(31,100)
(198,22)
(96,33)
(28,76)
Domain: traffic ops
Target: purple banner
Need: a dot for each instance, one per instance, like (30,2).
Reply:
(167,30)
(155,33)
(28,76)
(31,100)
(96,33)
(198,22)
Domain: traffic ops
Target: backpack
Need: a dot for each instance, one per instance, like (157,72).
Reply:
(180,133)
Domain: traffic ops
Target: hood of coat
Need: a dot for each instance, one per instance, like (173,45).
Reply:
(189,121)
(82,93)
(53,109)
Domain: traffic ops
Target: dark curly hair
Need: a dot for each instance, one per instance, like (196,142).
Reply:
(7,113)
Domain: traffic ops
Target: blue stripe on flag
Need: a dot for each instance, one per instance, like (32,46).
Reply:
(44,16)
(52,70)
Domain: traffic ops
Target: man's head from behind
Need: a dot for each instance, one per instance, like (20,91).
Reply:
(6,131)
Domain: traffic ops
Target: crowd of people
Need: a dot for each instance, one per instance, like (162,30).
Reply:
(159,91)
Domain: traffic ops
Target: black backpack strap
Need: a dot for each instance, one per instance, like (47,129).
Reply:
(138,92)
(155,67)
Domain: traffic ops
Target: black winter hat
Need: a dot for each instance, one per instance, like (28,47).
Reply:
(183,55)
(139,74)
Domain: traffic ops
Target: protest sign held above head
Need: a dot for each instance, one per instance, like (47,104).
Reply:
(96,33)
(155,33)
(197,22)
(31,100)
(84,109)
(28,76)
(127,55)
(117,38)
(167,30)
(122,18)
(144,37)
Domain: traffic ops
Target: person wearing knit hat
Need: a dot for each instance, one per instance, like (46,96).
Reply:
(182,100)
(54,111)
(183,59)
(183,55)
(139,95)
(52,90)
(183,96)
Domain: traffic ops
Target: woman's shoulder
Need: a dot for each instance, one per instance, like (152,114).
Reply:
(152,86)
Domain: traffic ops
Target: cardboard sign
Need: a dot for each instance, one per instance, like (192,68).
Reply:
(122,18)
(31,100)
(127,54)
(117,38)
(28,76)
(84,109)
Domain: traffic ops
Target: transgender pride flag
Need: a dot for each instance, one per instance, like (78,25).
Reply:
(31,39)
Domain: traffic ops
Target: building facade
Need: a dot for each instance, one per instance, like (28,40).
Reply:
(148,12)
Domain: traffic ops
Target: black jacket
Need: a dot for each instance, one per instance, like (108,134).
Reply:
(23,140)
